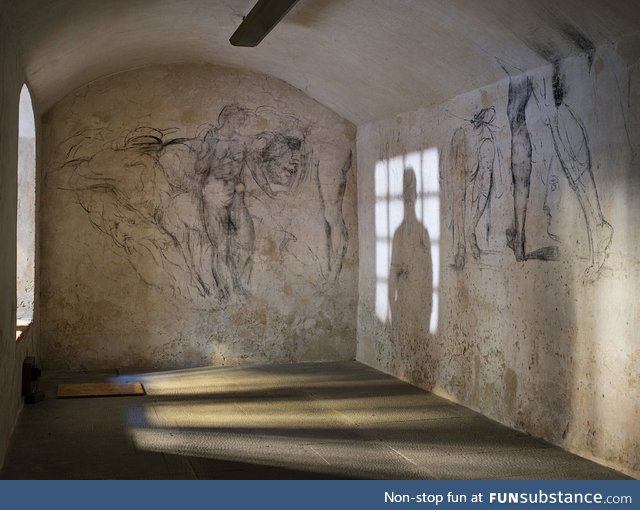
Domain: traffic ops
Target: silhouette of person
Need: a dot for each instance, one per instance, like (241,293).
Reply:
(410,275)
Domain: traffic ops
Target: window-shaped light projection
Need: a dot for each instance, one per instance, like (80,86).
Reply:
(25,256)
(407,227)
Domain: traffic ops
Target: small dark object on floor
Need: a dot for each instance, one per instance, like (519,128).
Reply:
(34,398)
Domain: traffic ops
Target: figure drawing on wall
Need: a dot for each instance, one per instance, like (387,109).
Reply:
(571,148)
(472,186)
(182,204)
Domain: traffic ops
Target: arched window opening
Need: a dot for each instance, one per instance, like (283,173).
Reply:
(25,256)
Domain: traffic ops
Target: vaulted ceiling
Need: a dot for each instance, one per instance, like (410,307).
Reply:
(365,59)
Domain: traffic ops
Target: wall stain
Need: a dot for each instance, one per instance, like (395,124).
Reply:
(510,389)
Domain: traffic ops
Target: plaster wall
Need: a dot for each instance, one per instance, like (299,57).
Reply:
(513,294)
(365,59)
(12,353)
(196,215)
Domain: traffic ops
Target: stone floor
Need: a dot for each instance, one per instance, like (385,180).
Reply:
(313,420)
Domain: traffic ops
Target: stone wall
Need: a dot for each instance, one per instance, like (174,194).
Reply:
(499,248)
(196,215)
(12,353)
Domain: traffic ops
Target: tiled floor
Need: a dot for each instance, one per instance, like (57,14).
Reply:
(313,420)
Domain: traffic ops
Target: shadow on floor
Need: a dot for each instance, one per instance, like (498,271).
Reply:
(301,421)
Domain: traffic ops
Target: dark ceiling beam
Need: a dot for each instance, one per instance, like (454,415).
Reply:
(260,21)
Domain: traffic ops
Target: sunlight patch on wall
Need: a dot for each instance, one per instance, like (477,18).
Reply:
(390,215)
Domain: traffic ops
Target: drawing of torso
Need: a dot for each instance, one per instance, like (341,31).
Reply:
(179,201)
(227,158)
(227,222)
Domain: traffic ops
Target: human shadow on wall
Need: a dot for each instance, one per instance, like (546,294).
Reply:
(411,285)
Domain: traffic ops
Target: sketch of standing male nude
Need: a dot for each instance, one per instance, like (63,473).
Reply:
(571,146)
(472,179)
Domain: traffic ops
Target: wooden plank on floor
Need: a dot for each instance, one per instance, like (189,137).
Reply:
(99,390)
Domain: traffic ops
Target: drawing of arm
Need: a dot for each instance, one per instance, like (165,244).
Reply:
(332,186)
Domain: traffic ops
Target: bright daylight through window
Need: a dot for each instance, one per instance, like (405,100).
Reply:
(25,256)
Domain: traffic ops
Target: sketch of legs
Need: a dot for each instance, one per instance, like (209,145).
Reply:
(482,177)
(332,191)
(572,147)
(482,182)
(571,144)
(552,198)
(241,242)
(217,196)
(519,93)
(459,174)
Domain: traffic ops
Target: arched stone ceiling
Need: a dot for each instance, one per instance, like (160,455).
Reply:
(366,59)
